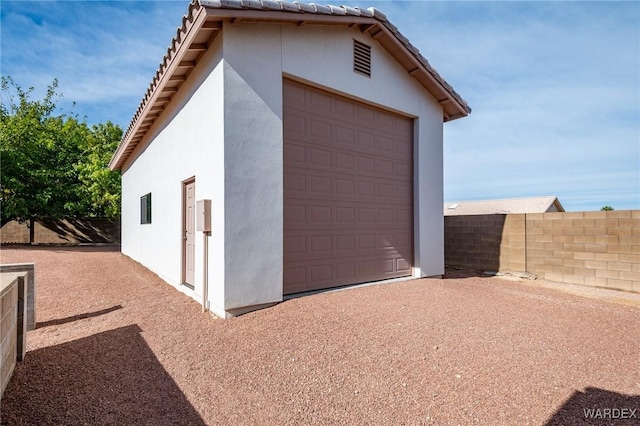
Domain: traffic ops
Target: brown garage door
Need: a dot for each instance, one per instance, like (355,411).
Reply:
(348,204)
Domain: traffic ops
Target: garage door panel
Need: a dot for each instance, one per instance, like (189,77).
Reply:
(345,215)
(385,266)
(366,242)
(320,245)
(402,147)
(347,191)
(403,241)
(306,155)
(402,171)
(386,145)
(402,265)
(345,243)
(295,155)
(321,131)
(321,274)
(320,158)
(319,101)
(384,168)
(294,96)
(366,140)
(345,136)
(344,161)
(323,257)
(403,217)
(365,115)
(295,183)
(366,166)
(298,125)
(384,190)
(386,120)
(351,163)
(344,108)
(402,191)
(345,271)
(300,246)
(360,116)
(295,277)
(295,244)
(326,133)
(324,185)
(385,216)
(367,216)
(320,185)
(344,187)
(318,214)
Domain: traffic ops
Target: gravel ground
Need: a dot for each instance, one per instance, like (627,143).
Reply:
(114,345)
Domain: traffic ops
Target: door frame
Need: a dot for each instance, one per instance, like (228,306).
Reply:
(183,227)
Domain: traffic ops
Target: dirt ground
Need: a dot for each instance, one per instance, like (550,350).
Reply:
(114,344)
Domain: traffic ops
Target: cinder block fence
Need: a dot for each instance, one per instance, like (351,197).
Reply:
(15,281)
(61,231)
(598,249)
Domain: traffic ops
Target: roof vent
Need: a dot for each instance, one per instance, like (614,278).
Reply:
(361,58)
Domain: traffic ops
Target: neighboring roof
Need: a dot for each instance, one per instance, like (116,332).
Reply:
(204,21)
(509,205)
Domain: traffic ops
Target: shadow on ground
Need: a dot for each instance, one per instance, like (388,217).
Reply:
(110,378)
(597,406)
(60,321)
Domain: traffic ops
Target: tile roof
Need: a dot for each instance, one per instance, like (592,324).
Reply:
(504,206)
(203,20)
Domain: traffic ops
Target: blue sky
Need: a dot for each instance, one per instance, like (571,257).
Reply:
(554,86)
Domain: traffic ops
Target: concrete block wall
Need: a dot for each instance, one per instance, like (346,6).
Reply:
(14,232)
(599,249)
(29,294)
(513,248)
(488,242)
(64,231)
(8,328)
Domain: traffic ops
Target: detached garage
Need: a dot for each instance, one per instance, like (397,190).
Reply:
(315,135)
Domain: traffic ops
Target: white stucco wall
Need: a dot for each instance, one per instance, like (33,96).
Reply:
(188,140)
(257,56)
(253,173)
(329,63)
(225,128)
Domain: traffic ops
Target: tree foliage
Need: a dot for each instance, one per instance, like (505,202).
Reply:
(53,165)
(606,208)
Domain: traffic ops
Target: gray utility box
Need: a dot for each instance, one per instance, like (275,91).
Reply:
(203,215)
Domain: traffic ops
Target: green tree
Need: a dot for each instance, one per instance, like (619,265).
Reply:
(606,208)
(100,189)
(53,165)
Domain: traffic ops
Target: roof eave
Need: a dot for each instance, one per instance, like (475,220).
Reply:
(453,106)
(208,15)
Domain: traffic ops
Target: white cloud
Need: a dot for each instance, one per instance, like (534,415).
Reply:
(554,86)
(101,53)
(555,92)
